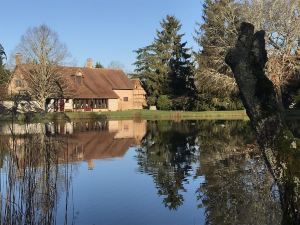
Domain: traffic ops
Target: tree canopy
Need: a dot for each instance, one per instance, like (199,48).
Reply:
(41,45)
(43,52)
(117,65)
(98,65)
(218,32)
(280,19)
(215,36)
(165,66)
(5,74)
(2,55)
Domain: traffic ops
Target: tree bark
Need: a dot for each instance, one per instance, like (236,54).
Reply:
(247,61)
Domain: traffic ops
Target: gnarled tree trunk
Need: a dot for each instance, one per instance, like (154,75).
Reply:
(247,61)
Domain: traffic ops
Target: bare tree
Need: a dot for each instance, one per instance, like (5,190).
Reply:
(217,84)
(248,60)
(281,21)
(43,54)
(116,65)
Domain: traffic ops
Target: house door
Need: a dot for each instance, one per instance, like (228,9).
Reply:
(61,105)
(55,105)
(87,106)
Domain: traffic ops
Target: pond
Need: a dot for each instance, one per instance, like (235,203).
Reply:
(135,172)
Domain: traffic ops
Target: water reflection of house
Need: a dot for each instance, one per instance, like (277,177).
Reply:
(84,141)
(99,140)
(20,129)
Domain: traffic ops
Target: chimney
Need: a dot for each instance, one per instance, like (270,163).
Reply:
(18,59)
(89,63)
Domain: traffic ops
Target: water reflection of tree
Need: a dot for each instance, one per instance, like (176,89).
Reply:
(167,153)
(238,188)
(34,180)
(237,182)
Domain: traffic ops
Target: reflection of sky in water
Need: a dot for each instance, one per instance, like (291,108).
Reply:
(114,192)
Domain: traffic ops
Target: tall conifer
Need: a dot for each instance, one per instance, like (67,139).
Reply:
(4,75)
(215,36)
(165,66)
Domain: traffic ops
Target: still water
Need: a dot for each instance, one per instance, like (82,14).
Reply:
(135,172)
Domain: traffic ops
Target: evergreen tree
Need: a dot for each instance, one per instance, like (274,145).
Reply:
(147,70)
(98,65)
(215,36)
(4,74)
(2,55)
(165,66)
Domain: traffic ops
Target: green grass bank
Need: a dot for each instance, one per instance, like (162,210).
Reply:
(162,115)
(130,114)
(139,114)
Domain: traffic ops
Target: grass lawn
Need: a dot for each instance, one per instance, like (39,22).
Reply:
(160,115)
(141,114)
(130,114)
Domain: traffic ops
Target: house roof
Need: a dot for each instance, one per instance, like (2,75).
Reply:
(135,81)
(137,85)
(95,82)
(99,82)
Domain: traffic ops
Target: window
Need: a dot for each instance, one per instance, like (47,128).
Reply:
(78,80)
(90,103)
(100,103)
(77,104)
(125,99)
(18,83)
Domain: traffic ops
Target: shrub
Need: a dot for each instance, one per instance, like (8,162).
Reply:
(182,103)
(295,100)
(151,100)
(227,104)
(164,103)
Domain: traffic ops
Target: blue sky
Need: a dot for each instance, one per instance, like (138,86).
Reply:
(105,30)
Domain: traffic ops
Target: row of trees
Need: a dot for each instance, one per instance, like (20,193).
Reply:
(201,80)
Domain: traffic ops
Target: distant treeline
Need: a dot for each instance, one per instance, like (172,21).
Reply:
(177,77)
